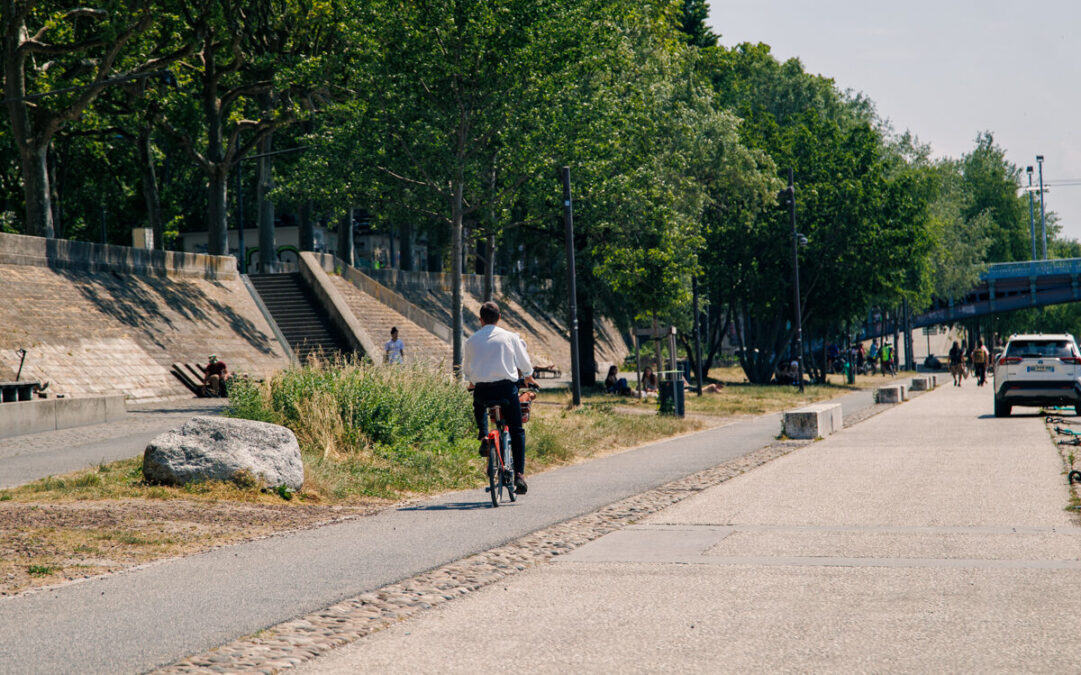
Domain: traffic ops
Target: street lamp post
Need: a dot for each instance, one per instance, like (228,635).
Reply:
(790,194)
(1031,214)
(1043,219)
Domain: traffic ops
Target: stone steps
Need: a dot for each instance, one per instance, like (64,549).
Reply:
(299,316)
(377,319)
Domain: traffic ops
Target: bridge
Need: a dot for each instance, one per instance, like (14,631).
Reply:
(1006,287)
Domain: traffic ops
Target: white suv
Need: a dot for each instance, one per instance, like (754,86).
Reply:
(1037,370)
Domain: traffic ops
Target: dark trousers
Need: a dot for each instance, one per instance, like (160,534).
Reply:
(505,394)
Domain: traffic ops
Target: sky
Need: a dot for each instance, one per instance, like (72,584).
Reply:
(945,71)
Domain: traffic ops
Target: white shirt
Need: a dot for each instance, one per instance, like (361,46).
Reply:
(493,354)
(394,350)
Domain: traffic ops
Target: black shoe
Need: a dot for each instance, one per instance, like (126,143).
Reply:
(483,448)
(520,486)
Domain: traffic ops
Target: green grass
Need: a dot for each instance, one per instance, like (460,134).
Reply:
(737,397)
(371,433)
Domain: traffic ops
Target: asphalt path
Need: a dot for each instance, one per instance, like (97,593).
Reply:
(33,456)
(157,614)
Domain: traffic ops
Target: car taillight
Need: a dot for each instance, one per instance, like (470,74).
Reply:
(1073,360)
(1008,360)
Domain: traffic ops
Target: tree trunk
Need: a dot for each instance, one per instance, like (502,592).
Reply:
(456,277)
(406,245)
(35,170)
(307,229)
(53,162)
(586,341)
(268,248)
(150,187)
(217,236)
(345,239)
(489,269)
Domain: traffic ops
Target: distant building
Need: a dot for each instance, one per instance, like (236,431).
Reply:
(372,250)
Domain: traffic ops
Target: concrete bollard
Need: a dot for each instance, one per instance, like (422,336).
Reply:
(921,384)
(893,393)
(813,421)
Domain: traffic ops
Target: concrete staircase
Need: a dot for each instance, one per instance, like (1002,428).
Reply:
(298,315)
(377,319)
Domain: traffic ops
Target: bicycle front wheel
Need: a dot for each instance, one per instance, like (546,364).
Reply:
(494,473)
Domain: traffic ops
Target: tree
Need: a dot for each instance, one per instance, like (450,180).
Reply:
(692,22)
(253,60)
(863,212)
(462,120)
(990,185)
(68,55)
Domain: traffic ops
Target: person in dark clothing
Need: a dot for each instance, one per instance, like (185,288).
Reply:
(957,363)
(215,375)
(614,384)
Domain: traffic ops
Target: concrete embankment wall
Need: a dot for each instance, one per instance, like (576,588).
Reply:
(545,333)
(99,320)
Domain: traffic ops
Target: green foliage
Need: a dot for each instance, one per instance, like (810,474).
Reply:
(367,429)
(692,22)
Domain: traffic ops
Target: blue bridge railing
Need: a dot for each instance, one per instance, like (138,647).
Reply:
(1032,268)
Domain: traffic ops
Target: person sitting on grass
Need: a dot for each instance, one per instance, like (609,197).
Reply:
(616,385)
(649,381)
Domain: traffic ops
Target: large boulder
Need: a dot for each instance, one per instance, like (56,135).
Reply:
(221,448)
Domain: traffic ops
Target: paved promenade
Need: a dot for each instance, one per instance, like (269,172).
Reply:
(930,538)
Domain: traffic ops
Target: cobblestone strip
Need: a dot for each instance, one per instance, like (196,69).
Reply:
(294,642)
(289,644)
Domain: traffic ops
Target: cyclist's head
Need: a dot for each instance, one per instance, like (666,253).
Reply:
(489,313)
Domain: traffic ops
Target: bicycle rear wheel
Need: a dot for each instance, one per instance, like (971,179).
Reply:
(494,473)
(508,467)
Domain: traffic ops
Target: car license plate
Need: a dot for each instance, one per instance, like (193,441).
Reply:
(1041,369)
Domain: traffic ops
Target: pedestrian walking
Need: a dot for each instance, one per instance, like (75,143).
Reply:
(957,363)
(886,356)
(980,359)
(395,348)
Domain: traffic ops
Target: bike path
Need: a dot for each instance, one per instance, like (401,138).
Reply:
(160,613)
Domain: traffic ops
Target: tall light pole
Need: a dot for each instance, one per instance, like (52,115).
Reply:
(572,318)
(1043,217)
(789,193)
(1031,214)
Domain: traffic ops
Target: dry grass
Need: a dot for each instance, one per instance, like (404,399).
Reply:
(56,541)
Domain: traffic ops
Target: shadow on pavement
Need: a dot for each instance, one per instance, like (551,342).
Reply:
(452,506)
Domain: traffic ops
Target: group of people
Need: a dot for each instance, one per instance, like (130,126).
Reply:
(960,357)
(614,384)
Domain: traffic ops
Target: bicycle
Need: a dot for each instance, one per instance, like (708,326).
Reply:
(500,458)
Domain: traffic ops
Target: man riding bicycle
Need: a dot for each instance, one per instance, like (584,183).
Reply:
(492,360)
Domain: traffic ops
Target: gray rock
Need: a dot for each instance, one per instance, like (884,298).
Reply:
(217,448)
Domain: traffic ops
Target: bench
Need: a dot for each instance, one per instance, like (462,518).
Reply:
(23,390)
(541,372)
(813,421)
(191,375)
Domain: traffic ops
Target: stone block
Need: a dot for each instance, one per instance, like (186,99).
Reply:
(921,384)
(813,421)
(892,393)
